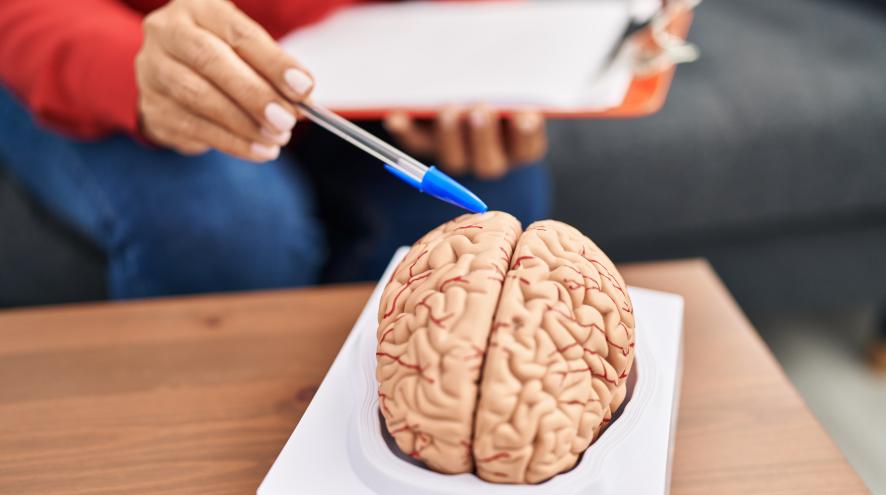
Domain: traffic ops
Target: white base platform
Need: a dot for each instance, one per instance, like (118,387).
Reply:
(339,445)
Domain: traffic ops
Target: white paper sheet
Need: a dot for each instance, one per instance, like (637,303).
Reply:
(427,54)
(643,10)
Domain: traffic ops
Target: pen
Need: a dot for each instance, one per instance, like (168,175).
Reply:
(428,180)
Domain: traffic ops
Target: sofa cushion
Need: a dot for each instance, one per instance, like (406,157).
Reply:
(782,120)
(41,260)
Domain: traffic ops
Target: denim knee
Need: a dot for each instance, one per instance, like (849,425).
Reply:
(239,227)
(168,223)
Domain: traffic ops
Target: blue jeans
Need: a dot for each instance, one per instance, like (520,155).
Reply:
(170,224)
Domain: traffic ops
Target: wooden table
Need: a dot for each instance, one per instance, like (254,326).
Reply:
(198,395)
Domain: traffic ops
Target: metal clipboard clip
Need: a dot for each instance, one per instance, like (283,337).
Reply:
(652,48)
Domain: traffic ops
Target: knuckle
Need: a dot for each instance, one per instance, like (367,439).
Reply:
(153,22)
(152,77)
(188,89)
(240,34)
(180,31)
(204,58)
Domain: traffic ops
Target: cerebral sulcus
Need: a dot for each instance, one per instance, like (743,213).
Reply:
(502,352)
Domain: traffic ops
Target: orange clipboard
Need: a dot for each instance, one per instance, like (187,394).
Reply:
(645,95)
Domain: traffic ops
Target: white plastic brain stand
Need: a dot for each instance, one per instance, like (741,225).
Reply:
(340,445)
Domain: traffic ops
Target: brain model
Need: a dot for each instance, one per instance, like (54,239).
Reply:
(500,351)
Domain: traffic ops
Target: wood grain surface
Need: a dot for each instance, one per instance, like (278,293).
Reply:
(742,427)
(198,395)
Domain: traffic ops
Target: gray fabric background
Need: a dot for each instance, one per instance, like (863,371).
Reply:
(769,157)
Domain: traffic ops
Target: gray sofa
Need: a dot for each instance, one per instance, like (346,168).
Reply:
(769,159)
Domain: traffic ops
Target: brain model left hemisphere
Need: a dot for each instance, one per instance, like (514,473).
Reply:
(501,351)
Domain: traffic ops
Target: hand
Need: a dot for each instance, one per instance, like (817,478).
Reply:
(475,140)
(208,77)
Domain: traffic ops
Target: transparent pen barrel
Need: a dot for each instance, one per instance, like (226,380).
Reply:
(364,140)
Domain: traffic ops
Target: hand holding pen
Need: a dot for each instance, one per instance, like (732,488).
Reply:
(208,76)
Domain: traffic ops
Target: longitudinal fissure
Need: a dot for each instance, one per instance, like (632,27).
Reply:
(489,336)
(494,340)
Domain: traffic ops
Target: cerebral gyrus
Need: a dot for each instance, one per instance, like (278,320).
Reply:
(502,352)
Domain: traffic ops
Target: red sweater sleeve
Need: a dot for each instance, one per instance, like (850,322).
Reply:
(71,62)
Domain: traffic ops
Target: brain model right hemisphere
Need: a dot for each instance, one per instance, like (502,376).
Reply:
(500,351)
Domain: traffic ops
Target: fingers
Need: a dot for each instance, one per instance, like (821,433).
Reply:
(208,76)
(251,42)
(189,133)
(215,61)
(414,138)
(190,149)
(191,91)
(486,145)
(450,141)
(526,137)
(186,146)
(477,140)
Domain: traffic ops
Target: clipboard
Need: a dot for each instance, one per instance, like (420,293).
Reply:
(652,52)
(648,91)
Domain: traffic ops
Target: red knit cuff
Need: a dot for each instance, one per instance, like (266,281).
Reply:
(110,74)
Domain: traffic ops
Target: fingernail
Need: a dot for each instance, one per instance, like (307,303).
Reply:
(449,115)
(300,82)
(265,152)
(397,121)
(280,138)
(279,117)
(478,117)
(527,123)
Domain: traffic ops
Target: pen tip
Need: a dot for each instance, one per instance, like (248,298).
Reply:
(475,204)
(443,187)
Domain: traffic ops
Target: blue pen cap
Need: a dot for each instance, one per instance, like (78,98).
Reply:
(402,176)
(443,187)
